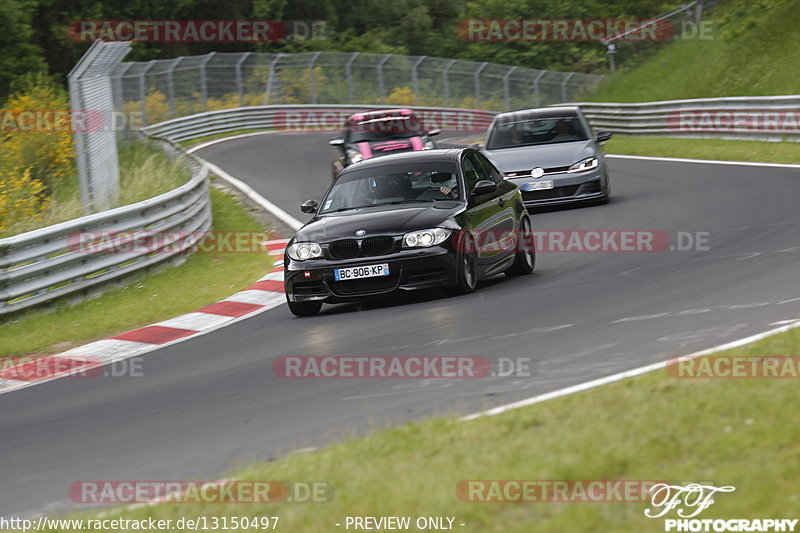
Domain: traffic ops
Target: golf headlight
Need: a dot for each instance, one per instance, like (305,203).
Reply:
(426,237)
(300,251)
(589,163)
(354,156)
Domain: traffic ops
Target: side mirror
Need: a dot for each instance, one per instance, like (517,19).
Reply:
(309,206)
(338,141)
(603,136)
(484,187)
(476,146)
(433,132)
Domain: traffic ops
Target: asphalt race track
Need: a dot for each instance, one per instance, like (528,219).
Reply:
(211,403)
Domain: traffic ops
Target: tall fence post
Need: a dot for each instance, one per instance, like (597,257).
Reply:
(171,86)
(312,85)
(506,89)
(239,80)
(349,74)
(204,80)
(381,85)
(415,78)
(90,89)
(536,89)
(478,82)
(271,80)
(564,97)
(446,82)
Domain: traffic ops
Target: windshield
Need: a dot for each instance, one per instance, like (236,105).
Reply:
(382,186)
(533,131)
(371,129)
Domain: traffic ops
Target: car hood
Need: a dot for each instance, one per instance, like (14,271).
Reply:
(394,220)
(545,155)
(392,146)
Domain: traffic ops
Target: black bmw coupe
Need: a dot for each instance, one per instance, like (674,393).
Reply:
(418,220)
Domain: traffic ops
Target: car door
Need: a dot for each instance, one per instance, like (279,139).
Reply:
(487,213)
(506,195)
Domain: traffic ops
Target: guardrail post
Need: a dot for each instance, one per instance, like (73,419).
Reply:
(239,83)
(415,78)
(446,81)
(349,73)
(478,82)
(381,86)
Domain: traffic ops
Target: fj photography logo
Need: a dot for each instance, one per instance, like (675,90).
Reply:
(30,369)
(690,500)
(401,367)
(219,492)
(198,31)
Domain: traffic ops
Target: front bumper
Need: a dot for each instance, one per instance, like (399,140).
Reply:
(567,189)
(413,269)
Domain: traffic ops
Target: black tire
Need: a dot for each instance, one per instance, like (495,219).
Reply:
(525,258)
(304,308)
(467,269)
(607,193)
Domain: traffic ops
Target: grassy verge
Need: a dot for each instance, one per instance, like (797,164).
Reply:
(753,50)
(773,152)
(739,432)
(202,279)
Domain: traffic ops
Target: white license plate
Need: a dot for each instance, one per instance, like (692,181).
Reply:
(539,185)
(369,271)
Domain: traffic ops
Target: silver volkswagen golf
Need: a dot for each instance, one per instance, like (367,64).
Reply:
(551,154)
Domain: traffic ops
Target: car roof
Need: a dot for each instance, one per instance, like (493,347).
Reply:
(539,112)
(441,154)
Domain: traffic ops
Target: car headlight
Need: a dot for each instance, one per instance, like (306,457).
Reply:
(354,156)
(425,238)
(590,163)
(300,251)
(428,145)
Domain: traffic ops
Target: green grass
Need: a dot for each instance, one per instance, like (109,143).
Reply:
(740,432)
(754,52)
(204,278)
(719,149)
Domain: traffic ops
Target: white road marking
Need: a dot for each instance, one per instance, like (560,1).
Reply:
(194,321)
(703,161)
(624,375)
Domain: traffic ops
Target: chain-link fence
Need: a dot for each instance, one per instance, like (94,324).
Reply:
(169,88)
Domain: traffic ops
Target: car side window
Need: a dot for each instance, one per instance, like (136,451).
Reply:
(473,173)
(489,169)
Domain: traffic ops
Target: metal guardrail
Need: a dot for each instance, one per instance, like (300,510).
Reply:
(48,263)
(771,118)
(305,118)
